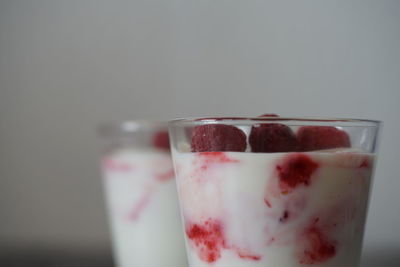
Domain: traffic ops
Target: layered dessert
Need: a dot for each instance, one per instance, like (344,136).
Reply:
(143,206)
(271,195)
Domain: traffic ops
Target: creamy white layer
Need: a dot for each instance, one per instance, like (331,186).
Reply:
(143,208)
(273,209)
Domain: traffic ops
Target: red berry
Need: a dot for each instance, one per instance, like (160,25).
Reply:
(161,140)
(317,247)
(218,137)
(208,239)
(321,137)
(272,137)
(295,170)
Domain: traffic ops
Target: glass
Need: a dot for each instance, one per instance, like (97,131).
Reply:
(140,189)
(273,192)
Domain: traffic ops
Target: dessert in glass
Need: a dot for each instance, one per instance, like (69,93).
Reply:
(273,191)
(140,189)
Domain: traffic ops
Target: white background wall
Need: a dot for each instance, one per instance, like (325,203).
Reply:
(67,65)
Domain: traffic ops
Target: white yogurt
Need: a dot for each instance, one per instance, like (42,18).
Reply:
(143,208)
(273,209)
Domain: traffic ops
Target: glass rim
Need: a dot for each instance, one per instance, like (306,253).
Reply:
(290,121)
(112,127)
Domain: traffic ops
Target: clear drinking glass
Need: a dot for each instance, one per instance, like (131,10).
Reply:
(140,189)
(273,192)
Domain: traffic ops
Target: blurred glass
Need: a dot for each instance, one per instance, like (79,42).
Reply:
(139,184)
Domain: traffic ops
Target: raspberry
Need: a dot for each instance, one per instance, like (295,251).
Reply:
(321,137)
(272,137)
(161,140)
(208,239)
(317,247)
(295,170)
(217,137)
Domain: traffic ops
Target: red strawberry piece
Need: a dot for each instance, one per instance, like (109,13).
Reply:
(161,140)
(218,137)
(321,137)
(272,137)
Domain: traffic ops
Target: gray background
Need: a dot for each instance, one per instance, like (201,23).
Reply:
(67,65)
